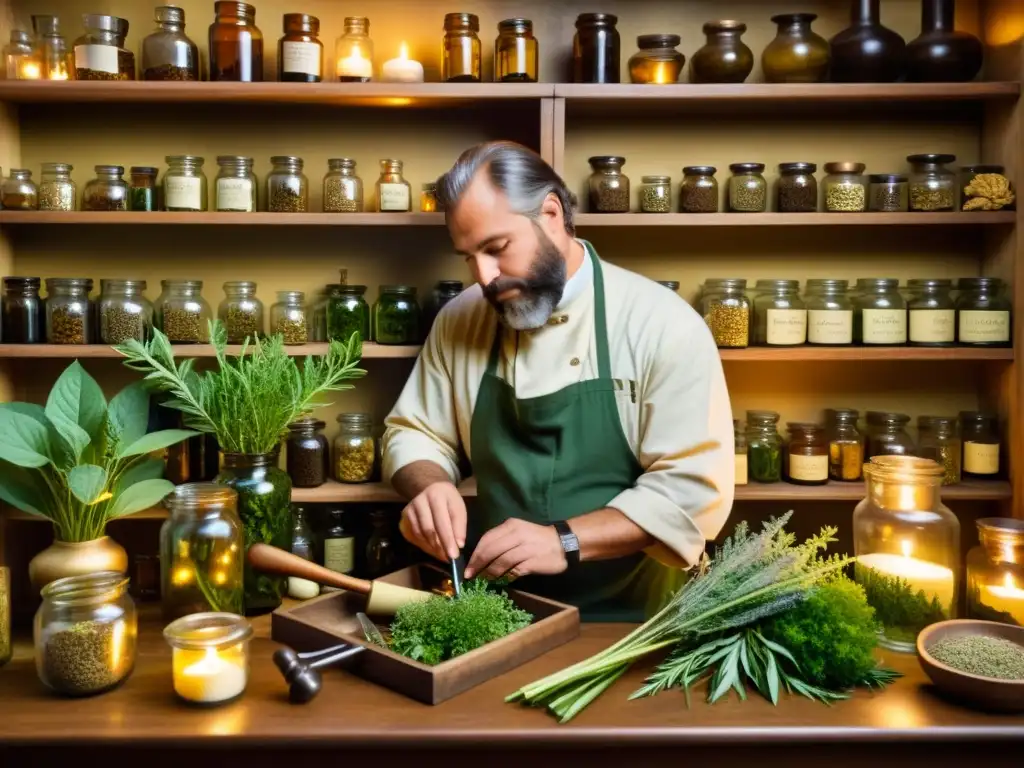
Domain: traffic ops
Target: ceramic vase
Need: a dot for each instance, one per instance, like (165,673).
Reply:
(867,52)
(941,54)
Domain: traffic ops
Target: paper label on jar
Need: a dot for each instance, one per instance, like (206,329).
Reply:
(99,58)
(884,326)
(933,326)
(302,58)
(808,468)
(830,326)
(984,326)
(786,327)
(183,192)
(234,195)
(340,554)
(394,197)
(741,469)
(981,458)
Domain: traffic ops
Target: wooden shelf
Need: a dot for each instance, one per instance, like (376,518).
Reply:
(955,218)
(158,218)
(370,351)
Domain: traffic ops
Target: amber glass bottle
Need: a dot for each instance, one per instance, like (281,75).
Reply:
(300,54)
(236,43)
(461,48)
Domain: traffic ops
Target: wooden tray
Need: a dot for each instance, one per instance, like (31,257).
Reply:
(331,619)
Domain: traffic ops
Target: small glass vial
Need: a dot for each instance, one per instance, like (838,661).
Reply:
(184,184)
(57,192)
(939,440)
(983,312)
(740,452)
(241,312)
(845,445)
(888,192)
(881,314)
(396,315)
(656,194)
(22,57)
(381,554)
(108,191)
(125,312)
(68,310)
(846,188)
(933,186)
(355,450)
(19,192)
(596,49)
(393,192)
(995,572)
(23,311)
(353,52)
(343,190)
(796,191)
(932,313)
(829,312)
(142,194)
(167,53)
(287,185)
(307,453)
(288,317)
(982,441)
(888,436)
(100,53)
(726,310)
(780,315)
(806,454)
(300,54)
(428,197)
(657,62)
(609,186)
(236,43)
(56,58)
(348,313)
(339,545)
(699,191)
(748,191)
(461,48)
(304,544)
(182,313)
(515,52)
(236,185)
(764,447)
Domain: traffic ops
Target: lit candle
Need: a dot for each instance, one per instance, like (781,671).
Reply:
(403,69)
(936,581)
(30,70)
(1005,598)
(355,67)
(210,656)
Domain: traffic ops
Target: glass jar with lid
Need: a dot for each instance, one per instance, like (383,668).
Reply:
(185,184)
(23,318)
(168,53)
(19,192)
(355,449)
(748,191)
(56,57)
(888,436)
(142,192)
(318,314)
(85,633)
(739,434)
(210,640)
(393,192)
(182,313)
(307,453)
(515,52)
(287,185)
(995,572)
(657,62)
(596,49)
(288,317)
(907,544)
(881,314)
(888,192)
(806,454)
(656,194)
(938,439)
(846,187)
(236,185)
(57,192)
(241,311)
(428,198)
(343,189)
(108,191)
(236,43)
(460,49)
(726,310)
(983,312)
(974,199)
(300,54)
(780,315)
(932,313)
(68,310)
(444,292)
(22,57)
(125,312)
(608,185)
(933,186)
(829,312)
(845,444)
(764,447)
(353,52)
(348,313)
(699,191)
(982,441)
(100,53)
(396,316)
(796,191)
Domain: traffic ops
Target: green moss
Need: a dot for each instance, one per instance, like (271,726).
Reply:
(902,612)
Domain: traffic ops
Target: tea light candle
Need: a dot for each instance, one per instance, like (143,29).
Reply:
(403,69)
(355,65)
(1004,598)
(936,581)
(210,656)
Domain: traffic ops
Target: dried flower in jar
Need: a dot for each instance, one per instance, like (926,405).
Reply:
(354,460)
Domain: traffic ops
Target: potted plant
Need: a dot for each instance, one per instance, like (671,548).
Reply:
(81,462)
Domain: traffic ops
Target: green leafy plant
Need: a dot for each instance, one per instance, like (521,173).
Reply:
(902,610)
(80,462)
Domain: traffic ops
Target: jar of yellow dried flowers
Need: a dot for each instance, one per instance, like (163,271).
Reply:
(355,450)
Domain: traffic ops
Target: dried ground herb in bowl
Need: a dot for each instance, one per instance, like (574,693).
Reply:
(994,657)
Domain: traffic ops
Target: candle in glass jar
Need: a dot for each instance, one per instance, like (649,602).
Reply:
(403,69)
(355,66)
(936,581)
(1004,598)
(211,675)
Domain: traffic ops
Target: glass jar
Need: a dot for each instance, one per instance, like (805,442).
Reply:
(236,43)
(994,194)
(318,315)
(780,316)
(56,58)
(353,52)
(393,192)
(108,191)
(699,191)
(933,186)
(236,185)
(656,194)
(142,194)
(888,192)
(125,312)
(846,188)
(724,57)
(381,555)
(19,192)
(609,186)
(932,313)
(881,314)
(983,312)
(304,544)
(307,453)
(829,312)
(428,197)
(657,62)
(348,313)
(764,447)
(939,440)
(202,551)
(343,190)
(57,192)
(796,191)
(396,316)
(595,49)
(288,317)
(355,449)
(185,184)
(981,438)
(22,57)
(740,452)
(748,191)
(300,54)
(68,310)
(182,313)
(797,54)
(460,62)
(6,647)
(100,53)
(209,657)
(168,53)
(888,436)
(444,291)
(241,312)
(995,572)
(23,321)
(339,545)
(807,454)
(845,445)
(85,634)
(726,310)
(287,185)
(515,52)
(907,544)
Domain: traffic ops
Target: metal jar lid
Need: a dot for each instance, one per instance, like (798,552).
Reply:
(777,285)
(845,166)
(596,20)
(655,179)
(798,167)
(460,21)
(648,42)
(521,26)
(747,167)
(169,14)
(887,178)
(699,170)
(828,285)
(931,159)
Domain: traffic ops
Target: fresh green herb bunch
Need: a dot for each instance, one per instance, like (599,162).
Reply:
(442,628)
(251,399)
(901,609)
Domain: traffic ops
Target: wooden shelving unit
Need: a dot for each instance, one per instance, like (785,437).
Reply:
(212,218)
(371,351)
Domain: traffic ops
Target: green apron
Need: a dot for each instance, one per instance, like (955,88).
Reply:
(558,456)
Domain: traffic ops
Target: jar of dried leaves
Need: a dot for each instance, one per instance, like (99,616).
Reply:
(355,450)
(125,312)
(287,186)
(182,313)
(57,192)
(288,317)
(68,310)
(241,312)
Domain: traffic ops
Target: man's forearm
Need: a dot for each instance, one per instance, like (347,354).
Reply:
(607,533)
(413,479)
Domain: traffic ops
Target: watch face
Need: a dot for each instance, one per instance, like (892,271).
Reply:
(570,543)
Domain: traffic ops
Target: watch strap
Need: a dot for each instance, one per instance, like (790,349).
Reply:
(570,543)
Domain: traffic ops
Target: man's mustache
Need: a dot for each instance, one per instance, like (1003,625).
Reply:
(499,285)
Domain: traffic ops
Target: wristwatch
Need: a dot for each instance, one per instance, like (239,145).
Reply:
(570,544)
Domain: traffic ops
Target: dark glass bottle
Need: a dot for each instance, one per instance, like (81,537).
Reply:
(236,43)
(797,54)
(381,555)
(300,54)
(724,58)
(867,52)
(303,545)
(444,291)
(307,453)
(595,49)
(940,54)
(22,311)
(339,544)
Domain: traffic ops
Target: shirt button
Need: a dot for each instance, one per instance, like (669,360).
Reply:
(574,361)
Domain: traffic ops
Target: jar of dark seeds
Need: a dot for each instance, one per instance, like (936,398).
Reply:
(933,186)
(287,186)
(343,190)
(19,192)
(236,185)
(699,191)
(796,191)
(168,53)
(108,191)
(240,311)
(656,194)
(288,317)
(68,310)
(23,311)
(846,188)
(609,186)
(748,191)
(182,313)
(726,310)
(57,192)
(100,53)
(888,192)
(185,184)
(307,453)
(125,312)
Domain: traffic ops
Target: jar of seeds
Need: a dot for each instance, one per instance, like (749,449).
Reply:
(726,310)
(829,312)
(846,188)
(348,313)
(355,450)
(393,192)
(287,185)
(23,318)
(57,192)
(933,186)
(108,191)
(699,191)
(609,186)
(983,312)
(343,190)
(288,317)
(938,439)
(888,192)
(182,313)
(656,194)
(68,310)
(748,191)
(780,316)
(142,194)
(932,313)
(125,312)
(19,192)
(240,311)
(396,316)
(235,187)
(428,198)
(307,453)
(185,184)
(168,53)
(796,191)
(100,53)
(880,316)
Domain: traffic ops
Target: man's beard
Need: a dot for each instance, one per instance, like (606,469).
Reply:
(539,292)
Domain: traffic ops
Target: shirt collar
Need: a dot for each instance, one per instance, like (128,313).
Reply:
(578,283)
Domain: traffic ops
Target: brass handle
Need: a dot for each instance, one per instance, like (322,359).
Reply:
(263,557)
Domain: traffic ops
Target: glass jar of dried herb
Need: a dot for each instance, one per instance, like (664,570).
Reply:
(287,185)
(185,184)
(780,315)
(699,191)
(933,186)
(938,439)
(829,312)
(932,313)
(182,313)
(236,185)
(396,316)
(23,311)
(343,189)
(796,191)
(846,187)
(168,53)
(983,312)
(888,192)
(19,192)
(806,454)
(845,444)
(142,194)
(68,310)
(57,192)
(764,447)
(241,312)
(888,436)
(108,191)
(125,312)
(748,191)
(300,54)
(656,194)
(394,193)
(983,197)
(595,49)
(609,186)
(288,317)
(726,310)
(307,453)
(100,53)
(982,441)
(348,313)
(880,316)
(355,449)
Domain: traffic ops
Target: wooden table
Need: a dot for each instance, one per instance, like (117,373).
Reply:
(143,724)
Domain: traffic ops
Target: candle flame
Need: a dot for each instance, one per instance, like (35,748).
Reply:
(907,547)
(209,665)
(403,52)
(182,575)
(1008,581)
(30,71)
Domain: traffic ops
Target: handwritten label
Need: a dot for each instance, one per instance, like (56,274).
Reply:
(808,468)
(394,197)
(981,458)
(234,195)
(984,326)
(830,326)
(884,326)
(786,327)
(183,193)
(933,326)
(302,59)
(340,554)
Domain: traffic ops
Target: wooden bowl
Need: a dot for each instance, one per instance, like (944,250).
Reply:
(986,693)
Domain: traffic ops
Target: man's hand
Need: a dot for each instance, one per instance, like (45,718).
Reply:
(435,521)
(517,548)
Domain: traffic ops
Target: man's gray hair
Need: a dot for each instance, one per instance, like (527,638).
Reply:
(517,171)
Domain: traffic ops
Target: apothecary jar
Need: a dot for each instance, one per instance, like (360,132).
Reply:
(608,185)
(995,572)
(907,544)
(125,312)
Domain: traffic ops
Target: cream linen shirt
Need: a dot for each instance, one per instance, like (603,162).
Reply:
(672,399)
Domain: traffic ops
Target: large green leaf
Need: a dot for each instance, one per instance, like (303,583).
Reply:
(145,469)
(87,482)
(23,489)
(23,440)
(155,441)
(76,407)
(129,413)
(30,409)
(138,497)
